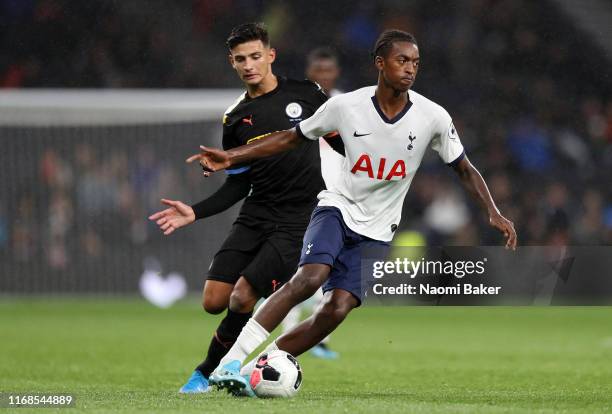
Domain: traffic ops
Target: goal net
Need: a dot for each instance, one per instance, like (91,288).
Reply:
(80,172)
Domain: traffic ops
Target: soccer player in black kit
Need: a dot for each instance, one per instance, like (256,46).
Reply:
(263,247)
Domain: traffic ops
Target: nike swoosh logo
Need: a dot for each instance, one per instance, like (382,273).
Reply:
(355,134)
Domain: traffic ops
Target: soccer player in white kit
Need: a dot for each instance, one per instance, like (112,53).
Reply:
(385,129)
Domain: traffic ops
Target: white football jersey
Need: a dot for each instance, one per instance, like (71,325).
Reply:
(382,155)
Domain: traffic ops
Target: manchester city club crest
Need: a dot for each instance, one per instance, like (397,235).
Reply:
(293,110)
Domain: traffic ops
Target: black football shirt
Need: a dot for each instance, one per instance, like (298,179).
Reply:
(284,187)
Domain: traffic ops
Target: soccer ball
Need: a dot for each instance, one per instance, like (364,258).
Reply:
(276,374)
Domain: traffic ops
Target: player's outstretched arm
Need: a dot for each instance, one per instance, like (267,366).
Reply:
(176,216)
(476,186)
(213,159)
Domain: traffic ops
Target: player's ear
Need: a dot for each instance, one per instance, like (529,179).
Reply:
(379,62)
(230,59)
(272,54)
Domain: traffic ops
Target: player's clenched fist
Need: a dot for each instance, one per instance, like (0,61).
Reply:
(211,159)
(176,216)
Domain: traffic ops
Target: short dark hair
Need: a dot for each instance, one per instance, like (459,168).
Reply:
(247,32)
(387,38)
(322,53)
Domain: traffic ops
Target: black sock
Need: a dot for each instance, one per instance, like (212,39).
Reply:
(223,339)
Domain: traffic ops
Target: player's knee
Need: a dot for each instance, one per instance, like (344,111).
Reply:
(212,305)
(215,296)
(242,300)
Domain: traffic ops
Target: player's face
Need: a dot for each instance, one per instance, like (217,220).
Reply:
(401,65)
(324,72)
(252,61)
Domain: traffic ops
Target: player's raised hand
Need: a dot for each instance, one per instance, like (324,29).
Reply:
(211,159)
(176,216)
(505,226)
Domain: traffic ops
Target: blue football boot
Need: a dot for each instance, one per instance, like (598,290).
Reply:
(228,377)
(323,352)
(196,384)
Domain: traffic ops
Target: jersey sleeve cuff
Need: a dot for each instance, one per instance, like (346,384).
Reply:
(239,170)
(199,210)
(457,160)
(301,134)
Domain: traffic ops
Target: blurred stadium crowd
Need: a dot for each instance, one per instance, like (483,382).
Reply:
(75,202)
(527,91)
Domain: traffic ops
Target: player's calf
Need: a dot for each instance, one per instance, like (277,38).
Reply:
(300,287)
(336,306)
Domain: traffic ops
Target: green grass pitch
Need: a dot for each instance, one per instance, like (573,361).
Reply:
(123,355)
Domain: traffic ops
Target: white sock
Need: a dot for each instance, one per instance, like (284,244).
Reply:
(248,368)
(252,335)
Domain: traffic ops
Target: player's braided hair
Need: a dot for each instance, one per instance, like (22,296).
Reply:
(247,32)
(385,41)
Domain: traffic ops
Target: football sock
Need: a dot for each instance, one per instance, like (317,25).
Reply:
(222,340)
(252,335)
(250,366)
